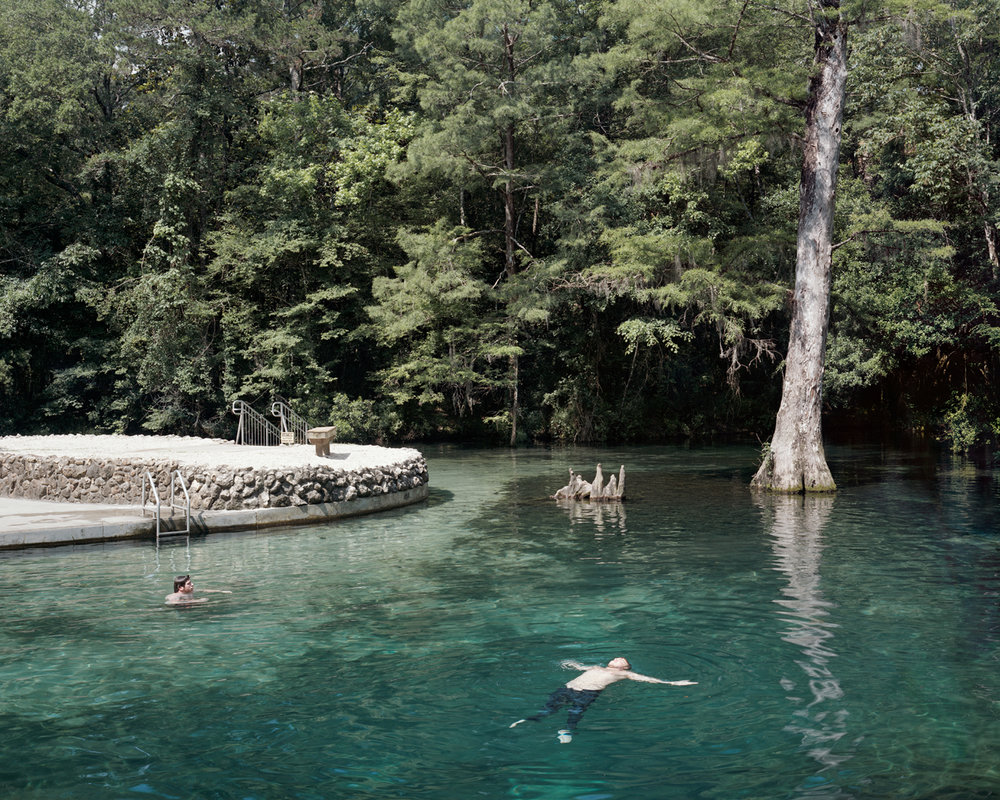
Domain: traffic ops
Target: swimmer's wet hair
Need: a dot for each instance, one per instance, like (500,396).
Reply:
(179,581)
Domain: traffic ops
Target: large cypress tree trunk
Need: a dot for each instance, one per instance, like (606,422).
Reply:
(796,461)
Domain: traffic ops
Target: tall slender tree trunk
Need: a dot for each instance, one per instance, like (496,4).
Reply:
(991,248)
(796,461)
(510,220)
(515,401)
(509,210)
(510,215)
(989,231)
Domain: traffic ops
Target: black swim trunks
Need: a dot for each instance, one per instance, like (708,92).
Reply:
(577,699)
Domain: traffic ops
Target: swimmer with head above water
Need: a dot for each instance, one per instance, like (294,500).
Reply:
(584,689)
(184,592)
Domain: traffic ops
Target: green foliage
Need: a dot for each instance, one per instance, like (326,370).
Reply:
(916,278)
(648,333)
(969,421)
(852,364)
(505,218)
(439,318)
(361,420)
(577,411)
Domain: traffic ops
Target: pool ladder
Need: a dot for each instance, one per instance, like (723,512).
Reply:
(149,491)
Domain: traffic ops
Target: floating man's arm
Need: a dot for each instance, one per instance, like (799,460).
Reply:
(635,676)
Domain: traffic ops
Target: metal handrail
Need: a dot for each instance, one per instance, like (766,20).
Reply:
(254,428)
(290,421)
(148,479)
(175,479)
(187,500)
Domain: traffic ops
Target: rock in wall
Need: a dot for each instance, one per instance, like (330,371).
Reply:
(120,481)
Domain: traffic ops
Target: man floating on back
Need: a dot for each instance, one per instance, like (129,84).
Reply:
(583,690)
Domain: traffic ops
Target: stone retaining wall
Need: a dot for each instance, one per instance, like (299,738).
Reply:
(120,481)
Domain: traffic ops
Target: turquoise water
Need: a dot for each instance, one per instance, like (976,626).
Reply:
(843,647)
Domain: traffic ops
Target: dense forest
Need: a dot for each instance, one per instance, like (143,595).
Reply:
(506,219)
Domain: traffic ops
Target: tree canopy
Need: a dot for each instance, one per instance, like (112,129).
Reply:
(510,219)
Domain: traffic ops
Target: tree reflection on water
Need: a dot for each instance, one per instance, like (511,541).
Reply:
(821,717)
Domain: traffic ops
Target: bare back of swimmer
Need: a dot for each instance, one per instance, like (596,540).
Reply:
(596,678)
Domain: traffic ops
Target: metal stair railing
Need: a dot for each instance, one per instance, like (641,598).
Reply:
(290,421)
(254,428)
(175,480)
(150,484)
(149,490)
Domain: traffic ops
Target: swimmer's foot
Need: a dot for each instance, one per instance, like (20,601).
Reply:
(518,722)
(565,737)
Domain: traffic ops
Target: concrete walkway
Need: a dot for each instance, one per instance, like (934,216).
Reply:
(24,523)
(40,523)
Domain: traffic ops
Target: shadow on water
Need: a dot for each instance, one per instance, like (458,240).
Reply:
(437,496)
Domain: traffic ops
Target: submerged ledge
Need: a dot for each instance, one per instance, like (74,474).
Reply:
(231,486)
